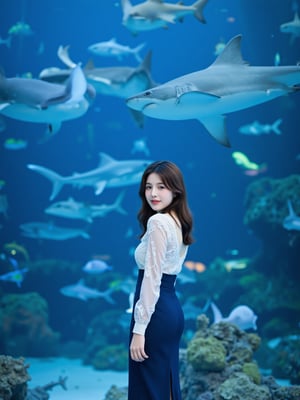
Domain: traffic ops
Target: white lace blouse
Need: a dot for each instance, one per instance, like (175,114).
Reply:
(161,251)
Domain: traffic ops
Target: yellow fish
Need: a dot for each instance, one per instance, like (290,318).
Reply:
(241,263)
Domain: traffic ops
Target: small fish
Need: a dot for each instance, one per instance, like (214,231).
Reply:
(241,263)
(250,167)
(2,183)
(16,276)
(16,250)
(292,221)
(96,267)
(277,59)
(195,266)
(15,144)
(292,28)
(140,146)
(241,316)
(256,128)
(20,29)
(219,47)
(6,42)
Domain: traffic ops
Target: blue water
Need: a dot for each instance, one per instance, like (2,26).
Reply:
(216,185)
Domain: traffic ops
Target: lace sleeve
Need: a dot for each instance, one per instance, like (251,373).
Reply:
(154,261)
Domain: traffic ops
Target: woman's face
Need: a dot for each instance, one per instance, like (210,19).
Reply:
(157,195)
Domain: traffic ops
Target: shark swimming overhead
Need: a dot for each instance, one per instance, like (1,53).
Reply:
(109,173)
(153,14)
(226,86)
(116,81)
(34,100)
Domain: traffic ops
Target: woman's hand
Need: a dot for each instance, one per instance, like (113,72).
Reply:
(137,348)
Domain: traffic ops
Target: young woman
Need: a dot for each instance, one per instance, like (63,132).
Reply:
(157,322)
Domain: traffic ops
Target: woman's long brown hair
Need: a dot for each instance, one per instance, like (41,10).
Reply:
(172,178)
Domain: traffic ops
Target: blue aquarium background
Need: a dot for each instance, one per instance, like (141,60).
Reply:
(37,319)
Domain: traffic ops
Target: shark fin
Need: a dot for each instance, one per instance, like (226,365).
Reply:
(55,178)
(216,128)
(99,187)
(63,55)
(138,117)
(105,159)
(231,53)
(3,106)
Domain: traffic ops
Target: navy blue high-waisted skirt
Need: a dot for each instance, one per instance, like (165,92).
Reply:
(158,376)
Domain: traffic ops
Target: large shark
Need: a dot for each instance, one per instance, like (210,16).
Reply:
(34,100)
(227,85)
(109,173)
(116,81)
(153,14)
(77,210)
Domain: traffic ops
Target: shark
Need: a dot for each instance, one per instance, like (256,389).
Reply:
(292,221)
(228,85)
(77,210)
(34,100)
(112,48)
(116,81)
(292,28)
(42,230)
(109,173)
(154,14)
(83,292)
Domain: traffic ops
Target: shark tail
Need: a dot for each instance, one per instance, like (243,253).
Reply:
(56,179)
(85,235)
(136,51)
(126,7)
(276,125)
(199,5)
(217,313)
(107,295)
(117,204)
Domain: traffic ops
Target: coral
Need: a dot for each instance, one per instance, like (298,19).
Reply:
(114,357)
(266,202)
(251,369)
(24,326)
(239,379)
(266,208)
(241,387)
(286,362)
(116,393)
(13,378)
(206,354)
